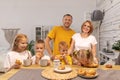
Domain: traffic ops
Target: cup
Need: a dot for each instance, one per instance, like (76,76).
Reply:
(56,63)
(27,62)
(43,62)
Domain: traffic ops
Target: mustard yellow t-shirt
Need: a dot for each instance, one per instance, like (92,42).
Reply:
(69,59)
(58,34)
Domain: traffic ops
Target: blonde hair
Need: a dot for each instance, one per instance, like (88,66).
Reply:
(63,44)
(17,39)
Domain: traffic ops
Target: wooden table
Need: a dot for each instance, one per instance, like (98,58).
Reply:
(7,75)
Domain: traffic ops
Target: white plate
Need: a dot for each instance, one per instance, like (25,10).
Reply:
(66,70)
(96,75)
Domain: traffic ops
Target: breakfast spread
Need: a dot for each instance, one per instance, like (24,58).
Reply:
(108,66)
(18,62)
(92,65)
(61,67)
(82,71)
(90,72)
(87,73)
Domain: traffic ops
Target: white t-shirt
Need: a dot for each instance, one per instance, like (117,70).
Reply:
(44,57)
(12,56)
(83,43)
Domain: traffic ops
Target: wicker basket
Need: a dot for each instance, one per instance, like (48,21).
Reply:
(50,74)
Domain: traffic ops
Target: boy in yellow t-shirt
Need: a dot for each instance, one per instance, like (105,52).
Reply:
(63,56)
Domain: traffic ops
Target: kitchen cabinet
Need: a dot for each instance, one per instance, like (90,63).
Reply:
(42,31)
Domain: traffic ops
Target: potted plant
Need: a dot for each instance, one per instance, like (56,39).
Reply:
(31,47)
(116,46)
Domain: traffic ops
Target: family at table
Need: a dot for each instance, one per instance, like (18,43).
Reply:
(68,47)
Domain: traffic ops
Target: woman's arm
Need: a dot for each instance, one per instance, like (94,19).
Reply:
(94,53)
(70,50)
(94,50)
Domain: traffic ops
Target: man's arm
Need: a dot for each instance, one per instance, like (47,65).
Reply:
(47,44)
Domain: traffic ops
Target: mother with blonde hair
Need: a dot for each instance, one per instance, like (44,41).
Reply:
(84,41)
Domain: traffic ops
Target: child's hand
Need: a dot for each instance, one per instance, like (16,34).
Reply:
(64,57)
(60,57)
(53,57)
(16,66)
(79,64)
(48,62)
(38,55)
(18,62)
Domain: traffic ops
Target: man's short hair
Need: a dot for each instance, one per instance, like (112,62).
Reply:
(68,15)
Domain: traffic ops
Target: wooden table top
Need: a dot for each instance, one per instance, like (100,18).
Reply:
(7,75)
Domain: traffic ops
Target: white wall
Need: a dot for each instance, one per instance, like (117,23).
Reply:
(110,28)
(27,14)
